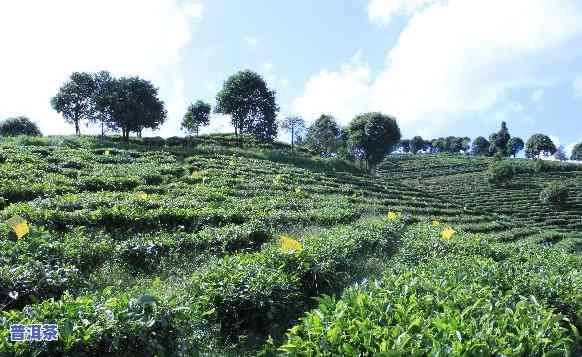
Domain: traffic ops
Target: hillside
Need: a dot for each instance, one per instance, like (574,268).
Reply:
(183,248)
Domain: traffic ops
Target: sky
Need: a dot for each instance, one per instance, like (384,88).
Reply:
(440,67)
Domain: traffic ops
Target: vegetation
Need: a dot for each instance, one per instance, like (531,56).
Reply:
(515,145)
(554,193)
(295,126)
(19,126)
(539,144)
(480,146)
(372,136)
(197,115)
(577,152)
(500,173)
(250,104)
(322,135)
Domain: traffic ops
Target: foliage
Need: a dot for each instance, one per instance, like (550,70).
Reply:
(560,154)
(197,115)
(375,135)
(133,105)
(500,173)
(480,146)
(417,144)
(19,126)
(295,125)
(322,135)
(554,193)
(405,145)
(577,152)
(251,105)
(74,99)
(500,140)
(539,144)
(514,145)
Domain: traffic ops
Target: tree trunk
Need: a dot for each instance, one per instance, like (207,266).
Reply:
(77,129)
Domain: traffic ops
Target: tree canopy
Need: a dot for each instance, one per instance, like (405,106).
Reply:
(19,126)
(515,145)
(417,144)
(499,140)
(133,104)
(322,135)
(197,115)
(294,125)
(577,152)
(539,144)
(250,104)
(74,99)
(480,146)
(375,134)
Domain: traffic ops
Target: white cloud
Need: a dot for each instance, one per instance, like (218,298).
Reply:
(577,86)
(383,10)
(194,8)
(343,94)
(251,41)
(130,37)
(555,139)
(456,60)
(537,96)
(218,124)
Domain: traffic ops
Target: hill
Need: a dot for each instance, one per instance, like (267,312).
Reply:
(209,245)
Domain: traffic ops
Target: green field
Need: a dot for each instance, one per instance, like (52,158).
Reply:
(171,247)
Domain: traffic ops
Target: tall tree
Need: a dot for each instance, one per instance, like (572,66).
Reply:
(375,134)
(99,114)
(197,115)
(19,126)
(405,145)
(577,152)
(294,125)
(515,145)
(74,99)
(322,135)
(560,154)
(133,104)
(416,144)
(539,144)
(480,146)
(501,139)
(250,104)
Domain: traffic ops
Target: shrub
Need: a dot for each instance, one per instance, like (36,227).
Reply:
(554,193)
(500,173)
(19,126)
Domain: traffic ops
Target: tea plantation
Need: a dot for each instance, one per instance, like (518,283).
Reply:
(200,247)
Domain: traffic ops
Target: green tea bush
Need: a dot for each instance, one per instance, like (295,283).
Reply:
(430,310)
(500,173)
(554,194)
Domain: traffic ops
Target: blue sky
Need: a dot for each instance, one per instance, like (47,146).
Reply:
(441,67)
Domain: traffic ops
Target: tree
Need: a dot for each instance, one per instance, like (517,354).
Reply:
(416,144)
(19,126)
(295,125)
(577,152)
(439,145)
(480,146)
(133,105)
(500,173)
(375,134)
(251,105)
(500,139)
(74,99)
(322,135)
(539,144)
(98,114)
(405,145)
(197,115)
(560,154)
(515,145)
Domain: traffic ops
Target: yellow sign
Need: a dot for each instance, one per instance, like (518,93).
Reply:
(141,195)
(18,225)
(106,153)
(289,245)
(435,223)
(448,233)
(392,215)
